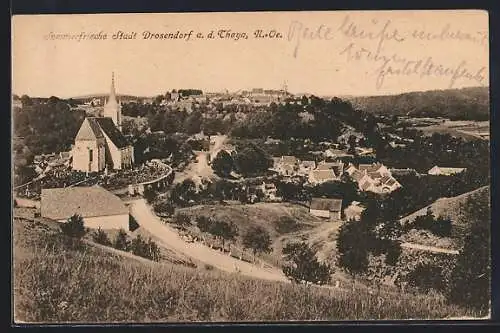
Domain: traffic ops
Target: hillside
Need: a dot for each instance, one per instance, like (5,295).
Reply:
(452,209)
(456,104)
(58,283)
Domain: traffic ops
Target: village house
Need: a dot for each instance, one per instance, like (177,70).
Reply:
(98,207)
(444,171)
(286,165)
(270,191)
(321,176)
(353,211)
(100,144)
(306,166)
(326,208)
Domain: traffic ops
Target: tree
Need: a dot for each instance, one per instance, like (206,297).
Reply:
(352,248)
(252,161)
(223,230)
(121,241)
(222,164)
(203,223)
(470,279)
(26,100)
(183,192)
(74,227)
(257,239)
(149,194)
(303,266)
(100,237)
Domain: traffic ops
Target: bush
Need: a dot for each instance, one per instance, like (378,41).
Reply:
(100,237)
(146,249)
(121,241)
(182,220)
(257,239)
(149,194)
(427,277)
(164,207)
(304,266)
(286,224)
(74,227)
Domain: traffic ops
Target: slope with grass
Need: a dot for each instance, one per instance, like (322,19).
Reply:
(450,208)
(56,283)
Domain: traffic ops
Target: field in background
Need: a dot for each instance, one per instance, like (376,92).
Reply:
(54,283)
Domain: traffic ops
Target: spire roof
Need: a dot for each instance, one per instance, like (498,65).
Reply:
(112,94)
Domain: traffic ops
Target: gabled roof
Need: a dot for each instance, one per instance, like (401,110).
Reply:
(366,185)
(62,203)
(323,175)
(308,163)
(108,126)
(357,175)
(332,205)
(374,174)
(90,130)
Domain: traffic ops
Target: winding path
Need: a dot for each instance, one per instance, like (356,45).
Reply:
(170,238)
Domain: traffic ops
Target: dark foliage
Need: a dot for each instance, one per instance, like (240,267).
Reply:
(303,266)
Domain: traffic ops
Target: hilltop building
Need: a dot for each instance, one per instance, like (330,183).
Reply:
(99,143)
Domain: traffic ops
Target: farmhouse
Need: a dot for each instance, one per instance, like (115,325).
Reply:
(326,208)
(97,206)
(100,144)
(445,171)
(286,165)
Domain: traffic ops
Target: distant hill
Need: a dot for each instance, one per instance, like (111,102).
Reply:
(456,104)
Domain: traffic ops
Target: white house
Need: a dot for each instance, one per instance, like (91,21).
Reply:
(326,208)
(445,171)
(97,206)
(270,191)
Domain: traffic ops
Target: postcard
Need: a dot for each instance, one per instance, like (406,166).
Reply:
(250,166)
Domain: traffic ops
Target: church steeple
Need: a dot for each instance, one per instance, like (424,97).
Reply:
(112,94)
(112,108)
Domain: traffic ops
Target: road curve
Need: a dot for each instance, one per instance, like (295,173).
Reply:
(170,238)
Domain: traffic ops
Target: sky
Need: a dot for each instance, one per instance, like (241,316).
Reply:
(324,53)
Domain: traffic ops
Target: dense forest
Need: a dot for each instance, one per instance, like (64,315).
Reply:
(455,104)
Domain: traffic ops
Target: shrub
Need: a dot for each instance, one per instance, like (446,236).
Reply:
(146,249)
(121,241)
(427,277)
(286,224)
(164,207)
(74,227)
(182,220)
(100,237)
(149,194)
(257,239)
(304,266)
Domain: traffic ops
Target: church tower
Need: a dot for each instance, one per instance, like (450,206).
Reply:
(113,108)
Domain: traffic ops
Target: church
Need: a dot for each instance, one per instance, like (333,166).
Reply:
(99,143)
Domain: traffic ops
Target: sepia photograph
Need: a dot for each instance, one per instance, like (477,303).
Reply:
(250,167)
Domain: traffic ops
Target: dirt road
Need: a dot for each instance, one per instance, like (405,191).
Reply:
(170,238)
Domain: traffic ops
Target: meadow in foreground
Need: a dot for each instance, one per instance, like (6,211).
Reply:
(57,283)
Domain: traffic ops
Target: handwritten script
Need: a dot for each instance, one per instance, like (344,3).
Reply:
(379,34)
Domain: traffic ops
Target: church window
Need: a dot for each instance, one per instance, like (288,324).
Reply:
(91,153)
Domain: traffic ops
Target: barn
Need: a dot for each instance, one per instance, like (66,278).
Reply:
(98,207)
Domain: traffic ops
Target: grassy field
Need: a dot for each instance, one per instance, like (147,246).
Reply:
(468,130)
(56,283)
